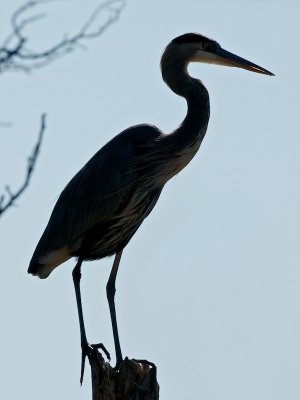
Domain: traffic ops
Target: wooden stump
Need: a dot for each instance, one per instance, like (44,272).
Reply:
(135,379)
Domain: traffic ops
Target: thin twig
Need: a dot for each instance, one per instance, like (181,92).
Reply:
(16,53)
(7,200)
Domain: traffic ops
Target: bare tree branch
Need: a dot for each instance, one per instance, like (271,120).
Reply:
(7,200)
(16,52)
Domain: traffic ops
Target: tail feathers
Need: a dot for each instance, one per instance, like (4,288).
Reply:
(42,266)
(40,270)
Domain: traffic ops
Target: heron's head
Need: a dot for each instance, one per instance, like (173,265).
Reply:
(195,47)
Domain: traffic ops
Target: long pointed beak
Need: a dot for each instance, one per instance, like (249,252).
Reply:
(224,57)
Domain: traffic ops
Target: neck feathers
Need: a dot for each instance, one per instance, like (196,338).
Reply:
(178,148)
(174,65)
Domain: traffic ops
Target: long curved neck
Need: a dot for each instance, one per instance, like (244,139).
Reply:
(193,127)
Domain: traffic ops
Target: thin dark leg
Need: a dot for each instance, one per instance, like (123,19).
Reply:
(110,291)
(76,279)
(85,347)
(84,343)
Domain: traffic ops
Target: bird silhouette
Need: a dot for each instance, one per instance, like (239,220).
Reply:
(105,203)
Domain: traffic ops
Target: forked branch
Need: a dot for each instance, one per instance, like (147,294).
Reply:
(17,53)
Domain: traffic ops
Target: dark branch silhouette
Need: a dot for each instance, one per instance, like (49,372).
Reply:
(16,52)
(8,200)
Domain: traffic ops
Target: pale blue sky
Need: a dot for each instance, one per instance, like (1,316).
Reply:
(208,289)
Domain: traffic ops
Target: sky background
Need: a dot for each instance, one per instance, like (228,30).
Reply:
(208,289)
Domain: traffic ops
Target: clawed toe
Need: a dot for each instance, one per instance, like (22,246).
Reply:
(102,347)
(86,351)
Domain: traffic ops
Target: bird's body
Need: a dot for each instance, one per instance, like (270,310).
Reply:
(95,226)
(104,204)
(107,200)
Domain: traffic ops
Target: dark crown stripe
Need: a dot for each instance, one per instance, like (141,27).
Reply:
(192,38)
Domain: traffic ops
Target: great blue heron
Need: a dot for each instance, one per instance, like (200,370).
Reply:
(104,204)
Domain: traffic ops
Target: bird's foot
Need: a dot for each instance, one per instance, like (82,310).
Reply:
(88,350)
(118,364)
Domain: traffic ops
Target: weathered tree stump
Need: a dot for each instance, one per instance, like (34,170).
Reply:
(134,380)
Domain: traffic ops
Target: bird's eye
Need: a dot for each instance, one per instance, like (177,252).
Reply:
(206,45)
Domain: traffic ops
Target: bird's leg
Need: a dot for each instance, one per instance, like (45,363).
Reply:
(110,291)
(86,348)
(84,343)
